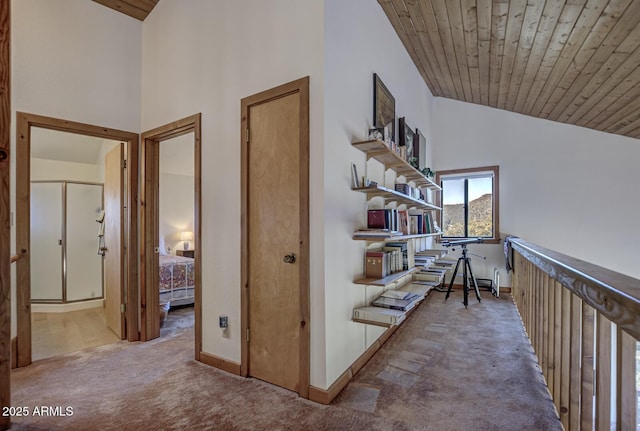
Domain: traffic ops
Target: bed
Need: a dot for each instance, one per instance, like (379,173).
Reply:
(176,280)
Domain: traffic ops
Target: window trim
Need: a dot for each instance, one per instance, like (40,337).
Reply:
(468,172)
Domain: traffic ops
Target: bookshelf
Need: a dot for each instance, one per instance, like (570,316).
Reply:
(385,281)
(393,196)
(379,151)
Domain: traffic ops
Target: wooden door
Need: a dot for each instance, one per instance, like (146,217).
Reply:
(277,241)
(114,239)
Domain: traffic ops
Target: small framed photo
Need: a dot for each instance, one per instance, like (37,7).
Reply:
(377,133)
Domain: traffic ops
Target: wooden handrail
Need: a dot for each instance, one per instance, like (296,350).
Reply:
(614,295)
(567,308)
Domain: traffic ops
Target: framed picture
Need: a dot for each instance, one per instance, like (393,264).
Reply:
(420,148)
(384,106)
(406,138)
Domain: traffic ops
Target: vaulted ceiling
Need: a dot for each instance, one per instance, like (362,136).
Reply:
(572,61)
(138,9)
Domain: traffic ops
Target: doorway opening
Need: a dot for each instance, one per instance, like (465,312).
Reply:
(73,218)
(171,230)
(176,209)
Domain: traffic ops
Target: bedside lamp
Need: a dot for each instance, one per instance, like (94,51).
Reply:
(186,236)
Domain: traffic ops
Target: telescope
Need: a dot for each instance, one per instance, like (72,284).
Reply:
(464,241)
(465,260)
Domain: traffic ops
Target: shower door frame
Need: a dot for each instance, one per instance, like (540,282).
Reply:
(63,234)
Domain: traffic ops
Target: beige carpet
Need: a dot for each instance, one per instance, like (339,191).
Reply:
(446,368)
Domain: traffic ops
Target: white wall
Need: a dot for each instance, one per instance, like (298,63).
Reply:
(176,209)
(359,41)
(563,187)
(76,60)
(206,58)
(56,170)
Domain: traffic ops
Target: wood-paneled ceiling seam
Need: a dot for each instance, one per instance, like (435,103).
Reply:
(410,28)
(615,38)
(618,110)
(498,37)
(543,37)
(576,39)
(397,24)
(138,9)
(432,34)
(550,56)
(608,80)
(441,17)
(572,61)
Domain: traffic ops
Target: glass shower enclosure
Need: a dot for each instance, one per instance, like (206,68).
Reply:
(66,265)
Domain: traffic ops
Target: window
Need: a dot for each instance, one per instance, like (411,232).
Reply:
(470,203)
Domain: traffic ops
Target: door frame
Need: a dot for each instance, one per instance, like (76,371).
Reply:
(24,123)
(149,222)
(6,344)
(300,86)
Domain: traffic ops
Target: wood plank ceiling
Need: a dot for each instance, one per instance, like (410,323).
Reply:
(572,61)
(138,9)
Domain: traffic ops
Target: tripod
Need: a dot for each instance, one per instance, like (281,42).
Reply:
(466,266)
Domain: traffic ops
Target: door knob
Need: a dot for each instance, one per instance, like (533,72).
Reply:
(290,258)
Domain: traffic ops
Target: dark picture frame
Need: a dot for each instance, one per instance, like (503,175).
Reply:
(420,149)
(384,106)
(406,137)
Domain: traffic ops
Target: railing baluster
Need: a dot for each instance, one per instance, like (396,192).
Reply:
(586,387)
(565,386)
(557,344)
(576,338)
(547,338)
(603,374)
(626,411)
(544,332)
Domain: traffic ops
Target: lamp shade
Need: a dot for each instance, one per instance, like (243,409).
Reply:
(186,235)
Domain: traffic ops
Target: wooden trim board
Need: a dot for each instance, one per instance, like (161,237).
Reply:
(24,122)
(612,294)
(149,160)
(325,396)
(223,364)
(14,352)
(5,230)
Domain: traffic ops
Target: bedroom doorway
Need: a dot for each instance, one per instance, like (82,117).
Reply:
(176,209)
(170,225)
(52,155)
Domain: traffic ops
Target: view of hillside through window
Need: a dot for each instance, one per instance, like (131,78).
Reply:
(479,195)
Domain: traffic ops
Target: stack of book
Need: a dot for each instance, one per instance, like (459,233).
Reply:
(375,233)
(397,300)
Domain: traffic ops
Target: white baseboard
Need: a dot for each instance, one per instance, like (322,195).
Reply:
(65,308)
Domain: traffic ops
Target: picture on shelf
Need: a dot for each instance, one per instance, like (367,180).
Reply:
(405,138)
(377,133)
(384,107)
(420,150)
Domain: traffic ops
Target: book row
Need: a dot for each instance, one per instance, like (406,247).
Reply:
(405,222)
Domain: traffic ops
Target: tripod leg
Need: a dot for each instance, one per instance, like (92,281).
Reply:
(473,279)
(465,283)
(453,277)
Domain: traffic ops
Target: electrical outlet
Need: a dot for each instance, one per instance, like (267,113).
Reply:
(223,322)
